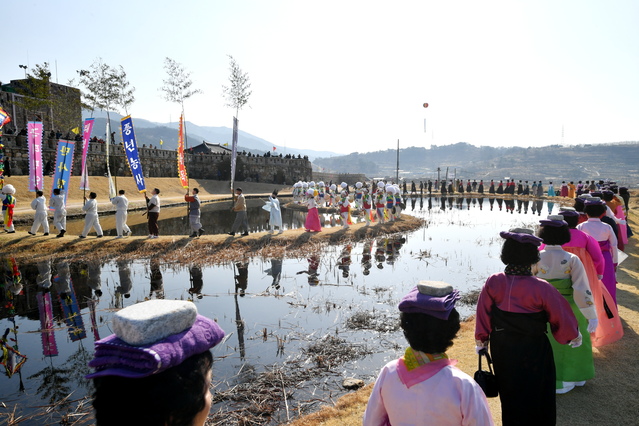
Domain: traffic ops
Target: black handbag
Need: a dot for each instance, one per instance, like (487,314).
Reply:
(486,379)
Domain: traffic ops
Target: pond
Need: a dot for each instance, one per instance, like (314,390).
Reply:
(310,322)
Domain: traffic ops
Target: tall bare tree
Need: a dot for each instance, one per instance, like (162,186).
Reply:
(237,94)
(178,85)
(106,87)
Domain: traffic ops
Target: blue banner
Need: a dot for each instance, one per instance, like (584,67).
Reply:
(63,165)
(131,151)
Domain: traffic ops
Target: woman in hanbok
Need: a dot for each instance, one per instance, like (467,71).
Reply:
(583,245)
(595,208)
(540,190)
(379,203)
(500,188)
(480,188)
(312,223)
(275,216)
(564,189)
(344,209)
(567,274)
(424,386)
(512,312)
(571,190)
(551,190)
(491,188)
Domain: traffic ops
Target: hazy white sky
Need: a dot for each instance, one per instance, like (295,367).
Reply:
(353,75)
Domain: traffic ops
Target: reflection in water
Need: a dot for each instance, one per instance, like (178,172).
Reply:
(275,271)
(241,284)
(157,283)
(367,257)
(312,271)
(68,302)
(196,281)
(344,261)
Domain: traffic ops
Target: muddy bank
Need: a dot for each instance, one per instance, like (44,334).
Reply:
(205,249)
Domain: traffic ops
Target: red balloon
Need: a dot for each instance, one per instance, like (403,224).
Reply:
(425,105)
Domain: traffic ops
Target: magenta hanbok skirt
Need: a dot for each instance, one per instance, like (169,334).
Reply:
(609,277)
(313,221)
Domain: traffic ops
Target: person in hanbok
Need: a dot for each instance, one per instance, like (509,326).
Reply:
(540,190)
(367,204)
(7,195)
(595,208)
(379,203)
(424,386)
(39,204)
(571,190)
(56,203)
(551,190)
(390,202)
(500,188)
(275,213)
(564,189)
(398,203)
(587,249)
(567,274)
(616,213)
(344,209)
(91,218)
(512,312)
(312,223)
(480,187)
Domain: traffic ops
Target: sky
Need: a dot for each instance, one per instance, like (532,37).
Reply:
(353,76)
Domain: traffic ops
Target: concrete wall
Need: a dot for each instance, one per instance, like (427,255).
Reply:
(162,163)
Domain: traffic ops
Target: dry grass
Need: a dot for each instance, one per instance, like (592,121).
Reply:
(609,398)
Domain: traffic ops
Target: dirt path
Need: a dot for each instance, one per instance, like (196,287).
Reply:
(610,398)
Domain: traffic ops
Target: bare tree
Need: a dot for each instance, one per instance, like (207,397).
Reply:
(238,93)
(178,85)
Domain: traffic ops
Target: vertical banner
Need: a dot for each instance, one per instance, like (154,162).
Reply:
(86,136)
(131,151)
(34,140)
(233,152)
(63,165)
(108,143)
(180,155)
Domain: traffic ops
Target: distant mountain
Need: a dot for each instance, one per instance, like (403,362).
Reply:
(618,161)
(148,132)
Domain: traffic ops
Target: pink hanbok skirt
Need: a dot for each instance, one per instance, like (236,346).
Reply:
(313,221)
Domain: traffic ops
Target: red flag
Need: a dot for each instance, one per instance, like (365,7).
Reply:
(274,148)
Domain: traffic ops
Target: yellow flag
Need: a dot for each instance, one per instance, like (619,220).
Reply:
(161,142)
(76,130)
(226,144)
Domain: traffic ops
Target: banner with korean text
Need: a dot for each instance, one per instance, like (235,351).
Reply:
(63,165)
(34,140)
(131,151)
(184,180)
(86,136)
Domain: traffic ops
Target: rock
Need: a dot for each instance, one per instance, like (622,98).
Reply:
(352,383)
(153,320)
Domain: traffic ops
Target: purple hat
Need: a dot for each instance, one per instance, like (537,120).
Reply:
(555,220)
(124,354)
(568,212)
(521,235)
(595,201)
(434,298)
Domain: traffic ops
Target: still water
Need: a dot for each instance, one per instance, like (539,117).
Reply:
(272,310)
